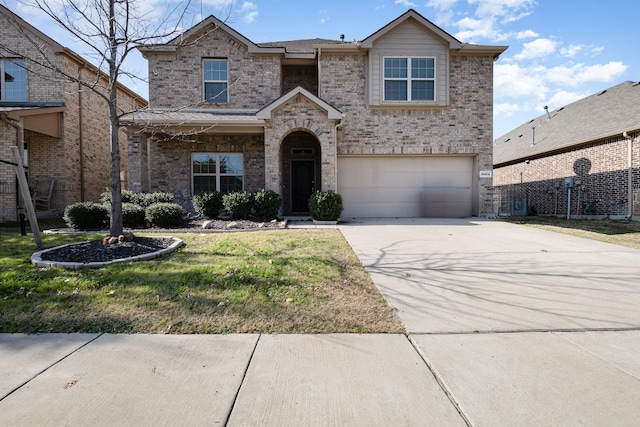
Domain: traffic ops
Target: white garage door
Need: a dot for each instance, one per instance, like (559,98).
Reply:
(403,186)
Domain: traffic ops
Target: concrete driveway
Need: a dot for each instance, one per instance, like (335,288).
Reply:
(520,326)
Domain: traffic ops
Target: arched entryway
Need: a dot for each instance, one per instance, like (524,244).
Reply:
(301,171)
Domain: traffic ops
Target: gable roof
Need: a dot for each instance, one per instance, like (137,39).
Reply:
(267,111)
(57,48)
(210,24)
(412,14)
(596,117)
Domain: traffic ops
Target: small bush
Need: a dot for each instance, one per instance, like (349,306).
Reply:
(325,205)
(86,215)
(208,204)
(148,199)
(127,197)
(164,214)
(238,204)
(266,204)
(132,215)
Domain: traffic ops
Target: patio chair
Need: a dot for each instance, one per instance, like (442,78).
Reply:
(42,191)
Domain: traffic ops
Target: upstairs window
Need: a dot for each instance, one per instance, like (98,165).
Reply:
(215,80)
(217,172)
(409,79)
(13,80)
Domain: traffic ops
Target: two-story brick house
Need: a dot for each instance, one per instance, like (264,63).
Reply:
(62,128)
(399,123)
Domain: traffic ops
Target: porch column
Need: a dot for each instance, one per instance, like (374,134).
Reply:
(138,161)
(272,160)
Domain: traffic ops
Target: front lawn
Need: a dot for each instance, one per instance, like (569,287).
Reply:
(285,281)
(619,232)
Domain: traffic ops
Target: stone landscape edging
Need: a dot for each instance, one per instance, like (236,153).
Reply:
(36,258)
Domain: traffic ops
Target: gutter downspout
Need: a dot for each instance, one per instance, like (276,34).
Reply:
(629,139)
(335,141)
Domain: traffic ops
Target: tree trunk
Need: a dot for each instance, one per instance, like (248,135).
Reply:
(114,120)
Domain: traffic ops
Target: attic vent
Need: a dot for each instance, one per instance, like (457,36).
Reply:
(561,109)
(635,84)
(507,140)
(603,92)
(531,121)
(520,136)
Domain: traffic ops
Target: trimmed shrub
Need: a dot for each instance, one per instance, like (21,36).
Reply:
(266,204)
(132,215)
(325,205)
(164,214)
(208,204)
(86,215)
(238,204)
(148,199)
(127,197)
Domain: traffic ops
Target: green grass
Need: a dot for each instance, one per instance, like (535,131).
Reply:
(285,281)
(619,232)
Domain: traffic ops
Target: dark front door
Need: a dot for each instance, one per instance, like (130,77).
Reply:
(302,184)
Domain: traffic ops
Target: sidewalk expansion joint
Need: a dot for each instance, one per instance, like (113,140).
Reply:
(244,376)
(441,383)
(36,375)
(525,331)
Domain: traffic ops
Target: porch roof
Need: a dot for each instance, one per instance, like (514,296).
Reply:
(205,120)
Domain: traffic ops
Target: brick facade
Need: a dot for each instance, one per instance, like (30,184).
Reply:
(602,167)
(79,160)
(459,124)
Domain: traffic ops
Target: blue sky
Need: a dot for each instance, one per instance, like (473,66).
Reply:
(559,50)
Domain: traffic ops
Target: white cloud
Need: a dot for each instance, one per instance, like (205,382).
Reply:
(513,81)
(405,3)
(579,74)
(508,9)
(572,50)
(563,97)
(484,24)
(249,12)
(537,49)
(526,34)
(506,109)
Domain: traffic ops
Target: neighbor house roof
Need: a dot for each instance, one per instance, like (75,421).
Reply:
(57,48)
(603,115)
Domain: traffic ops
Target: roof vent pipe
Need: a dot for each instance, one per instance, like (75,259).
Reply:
(342,38)
(546,108)
(533,136)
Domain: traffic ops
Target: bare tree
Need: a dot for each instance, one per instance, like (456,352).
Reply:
(111,29)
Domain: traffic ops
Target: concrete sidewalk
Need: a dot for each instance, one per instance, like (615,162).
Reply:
(234,380)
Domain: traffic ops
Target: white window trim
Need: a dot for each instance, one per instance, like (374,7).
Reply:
(217,173)
(408,79)
(204,81)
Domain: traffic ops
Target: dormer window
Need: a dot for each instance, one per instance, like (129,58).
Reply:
(13,80)
(409,79)
(215,72)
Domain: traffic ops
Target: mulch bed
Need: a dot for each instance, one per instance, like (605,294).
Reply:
(96,251)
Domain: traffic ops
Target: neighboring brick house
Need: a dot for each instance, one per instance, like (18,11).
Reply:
(62,128)
(399,123)
(583,159)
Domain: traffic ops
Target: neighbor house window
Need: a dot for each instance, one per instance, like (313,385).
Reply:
(409,79)
(13,80)
(216,82)
(217,172)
